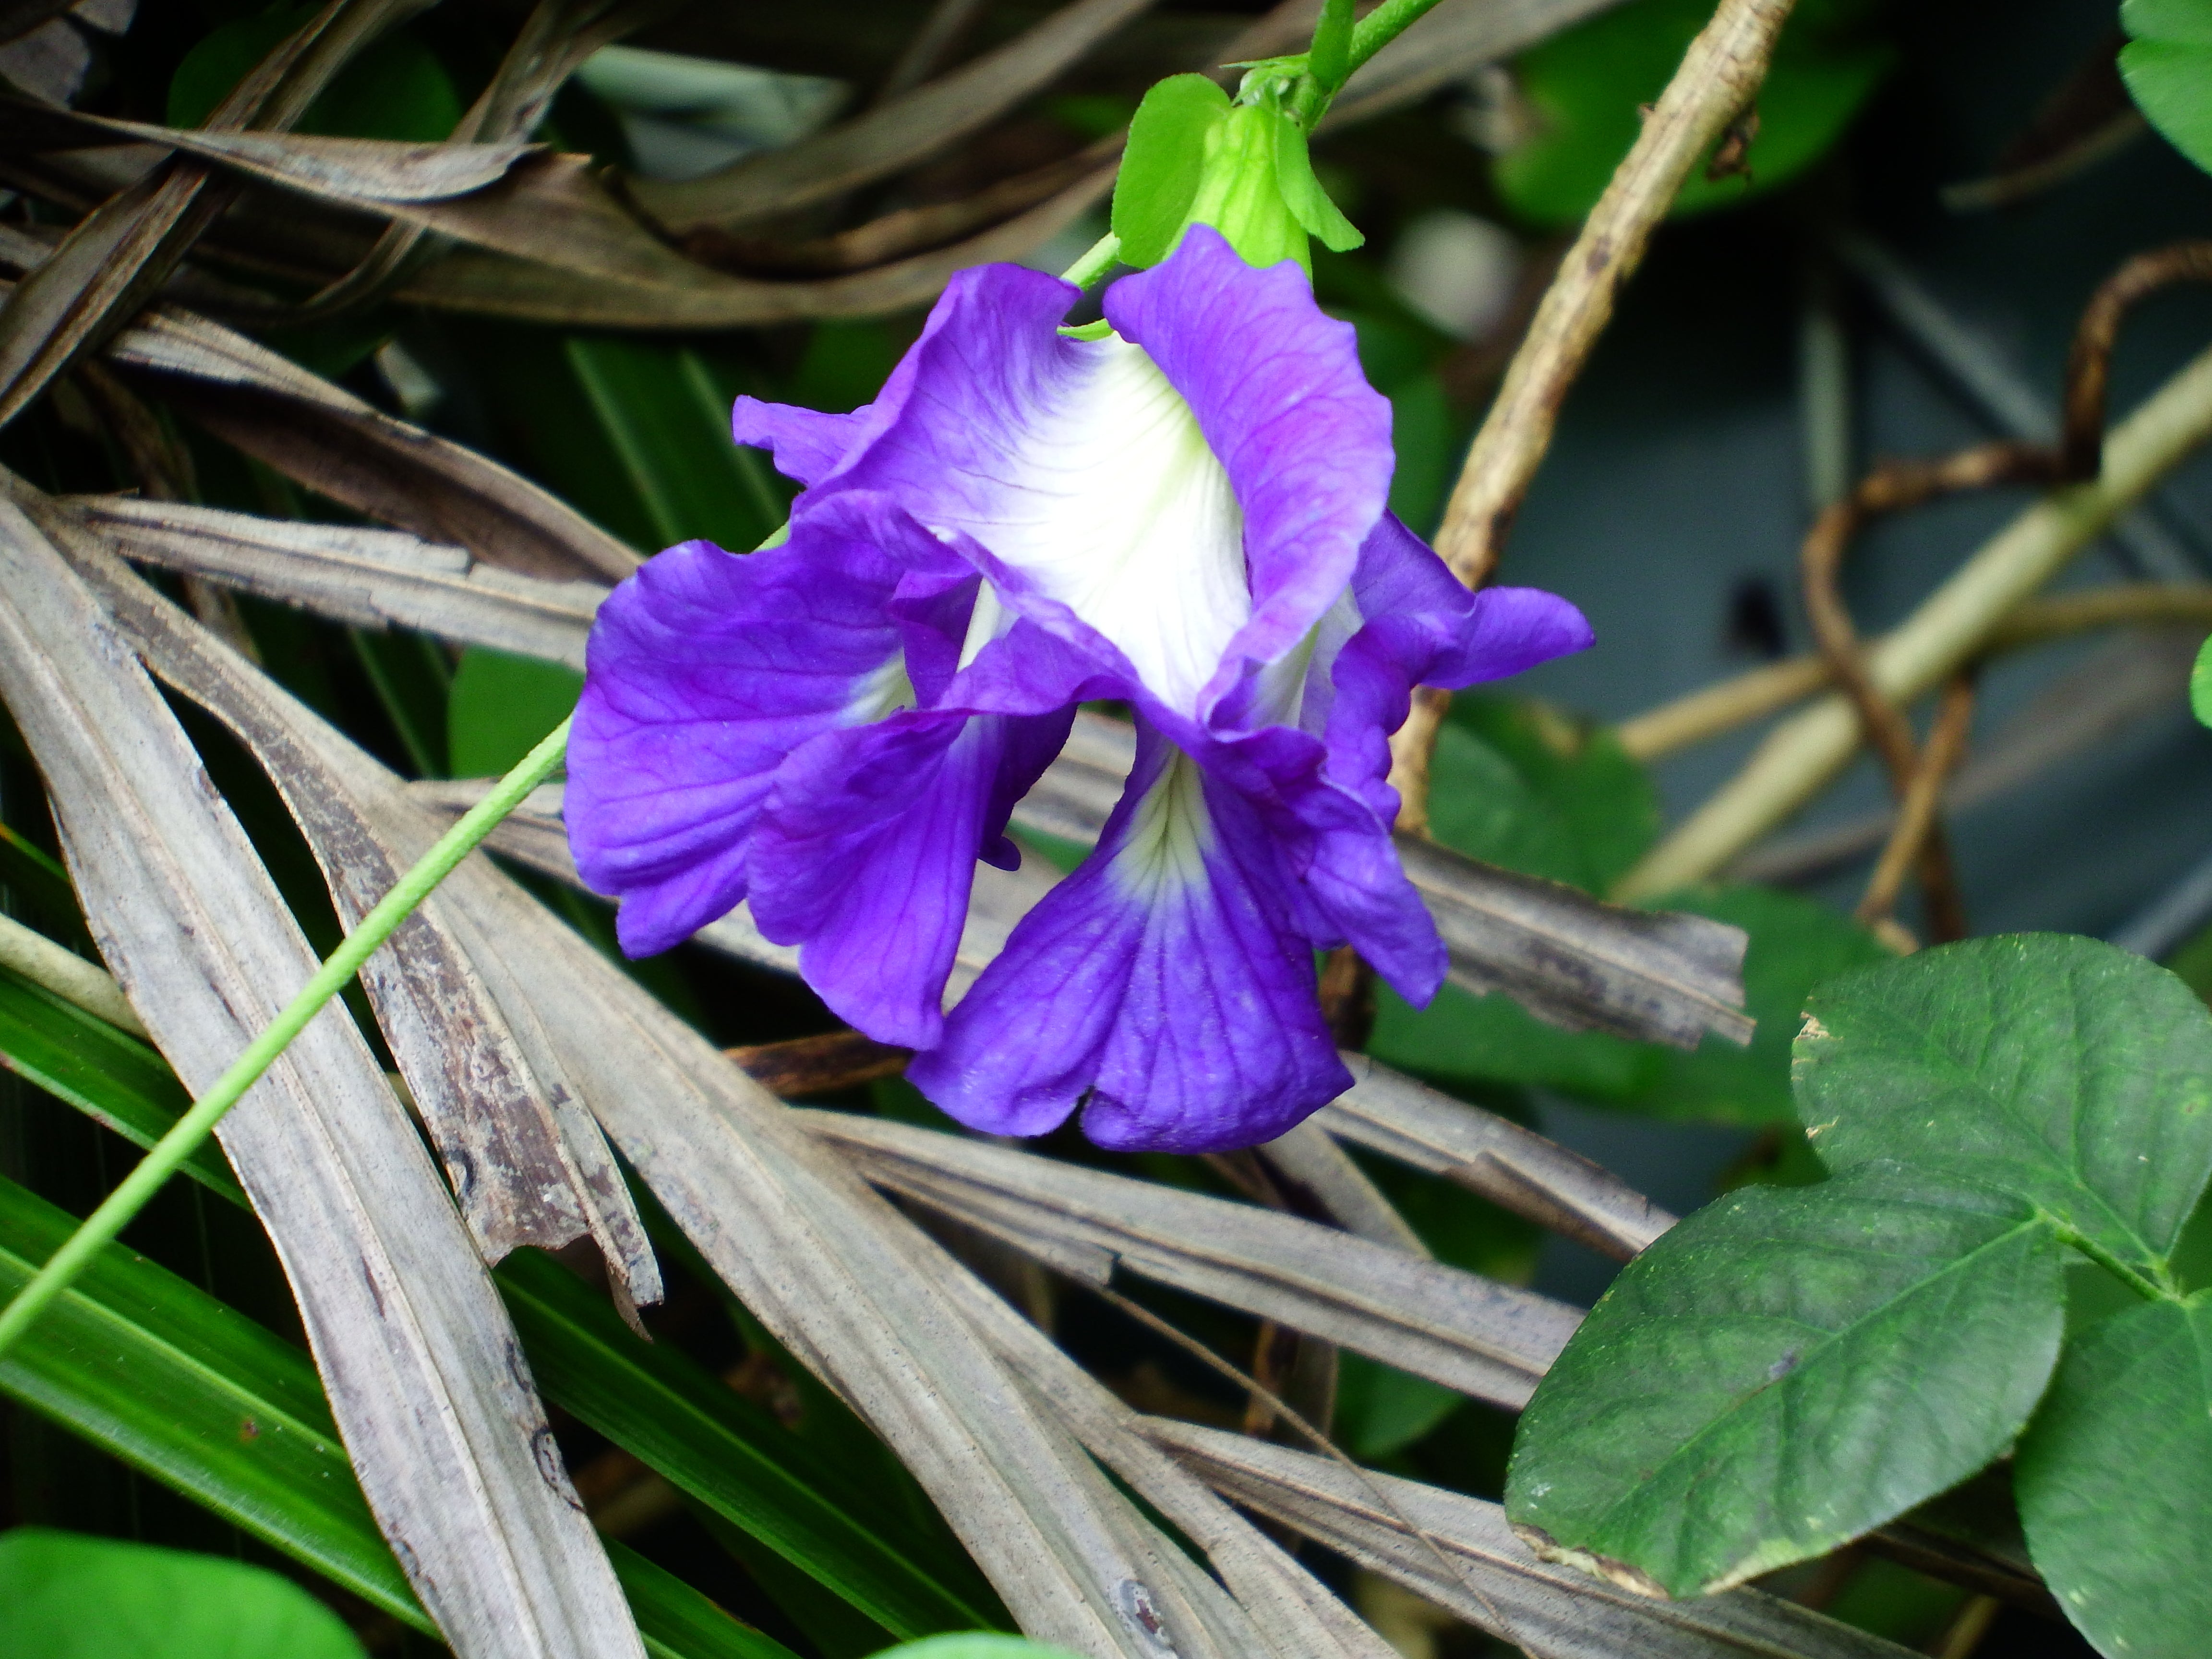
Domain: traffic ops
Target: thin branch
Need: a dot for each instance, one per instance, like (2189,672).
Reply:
(1716,82)
(1891,488)
(1952,627)
(1918,826)
(2088,368)
(1713,710)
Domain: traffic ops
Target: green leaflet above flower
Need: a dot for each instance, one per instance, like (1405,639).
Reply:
(1195,156)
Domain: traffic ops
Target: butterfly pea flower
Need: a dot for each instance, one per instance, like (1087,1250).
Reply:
(1187,514)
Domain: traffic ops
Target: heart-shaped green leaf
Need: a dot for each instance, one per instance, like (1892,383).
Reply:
(2167,64)
(2073,1074)
(1785,1370)
(2115,1480)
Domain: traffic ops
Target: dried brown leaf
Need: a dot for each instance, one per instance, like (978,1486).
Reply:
(890,137)
(428,1387)
(1489,1577)
(525,1170)
(1484,1338)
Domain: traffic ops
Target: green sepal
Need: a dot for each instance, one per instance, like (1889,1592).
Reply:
(1302,193)
(1164,165)
(1241,193)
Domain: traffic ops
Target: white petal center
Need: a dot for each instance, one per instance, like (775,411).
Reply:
(1116,506)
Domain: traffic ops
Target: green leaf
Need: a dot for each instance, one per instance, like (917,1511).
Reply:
(1796,945)
(2167,66)
(1587,84)
(2200,674)
(2115,1480)
(394,87)
(1786,1369)
(1161,166)
(1308,203)
(729,1454)
(64,1595)
(2073,1074)
(108,1074)
(500,707)
(160,1374)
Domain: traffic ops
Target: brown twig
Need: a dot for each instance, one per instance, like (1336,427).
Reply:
(1718,78)
(1917,823)
(2088,366)
(1894,487)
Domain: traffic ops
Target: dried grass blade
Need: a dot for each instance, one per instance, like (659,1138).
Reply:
(524,1171)
(1513,1167)
(1313,1165)
(892,137)
(1494,1581)
(596,273)
(357,173)
(369,578)
(823,1262)
(334,443)
(1290,1615)
(115,259)
(428,1387)
(1471,1334)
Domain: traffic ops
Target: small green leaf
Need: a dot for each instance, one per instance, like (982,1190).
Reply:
(501,706)
(64,1595)
(1329,59)
(1786,1369)
(2073,1074)
(2167,66)
(1161,166)
(2200,675)
(1308,203)
(2115,1481)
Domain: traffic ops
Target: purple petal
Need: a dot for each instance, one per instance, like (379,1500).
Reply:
(704,669)
(1164,986)
(1277,390)
(866,851)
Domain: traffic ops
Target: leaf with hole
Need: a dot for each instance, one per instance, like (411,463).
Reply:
(2115,1480)
(1784,1371)
(2073,1074)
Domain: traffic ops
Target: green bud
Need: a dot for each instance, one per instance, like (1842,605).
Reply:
(1240,191)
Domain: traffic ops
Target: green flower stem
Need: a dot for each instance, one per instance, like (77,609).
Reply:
(1096,261)
(1384,25)
(123,1205)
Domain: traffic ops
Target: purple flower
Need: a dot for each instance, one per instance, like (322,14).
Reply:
(1187,515)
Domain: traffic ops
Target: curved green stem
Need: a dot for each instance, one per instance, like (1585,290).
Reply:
(123,1205)
(1384,25)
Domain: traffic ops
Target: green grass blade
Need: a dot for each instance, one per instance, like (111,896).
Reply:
(105,1073)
